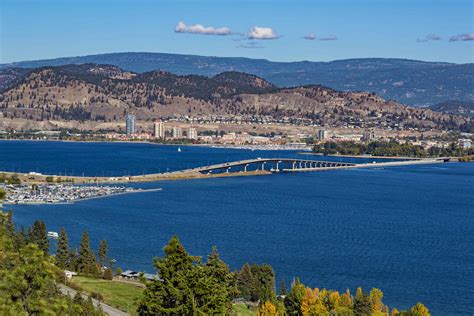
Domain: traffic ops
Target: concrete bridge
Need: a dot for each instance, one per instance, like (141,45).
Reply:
(268,164)
(249,167)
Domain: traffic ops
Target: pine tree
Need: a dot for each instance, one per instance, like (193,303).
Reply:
(169,296)
(227,281)
(186,286)
(294,298)
(362,304)
(103,252)
(86,262)
(245,282)
(282,287)
(62,250)
(39,236)
(9,224)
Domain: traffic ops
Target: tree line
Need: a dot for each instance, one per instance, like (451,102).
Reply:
(391,148)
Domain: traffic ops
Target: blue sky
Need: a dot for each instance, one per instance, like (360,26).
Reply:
(432,30)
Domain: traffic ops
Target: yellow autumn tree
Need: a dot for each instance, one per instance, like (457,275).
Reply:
(309,300)
(376,296)
(394,312)
(346,300)
(313,303)
(267,309)
(419,310)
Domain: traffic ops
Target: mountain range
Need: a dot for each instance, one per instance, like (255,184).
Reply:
(412,82)
(105,93)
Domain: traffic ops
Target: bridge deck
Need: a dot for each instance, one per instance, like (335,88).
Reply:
(243,163)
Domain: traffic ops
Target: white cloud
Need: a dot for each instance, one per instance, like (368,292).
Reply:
(462,37)
(329,38)
(258,32)
(429,37)
(181,27)
(310,36)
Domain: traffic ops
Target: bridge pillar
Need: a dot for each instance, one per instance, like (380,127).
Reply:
(263,165)
(294,163)
(227,170)
(278,166)
(245,167)
(300,165)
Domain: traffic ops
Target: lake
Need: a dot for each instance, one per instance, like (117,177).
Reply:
(406,230)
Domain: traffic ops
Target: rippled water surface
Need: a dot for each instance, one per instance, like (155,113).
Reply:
(406,230)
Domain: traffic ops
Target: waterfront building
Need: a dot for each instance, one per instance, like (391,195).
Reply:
(192,133)
(159,130)
(130,124)
(322,134)
(369,135)
(465,143)
(177,132)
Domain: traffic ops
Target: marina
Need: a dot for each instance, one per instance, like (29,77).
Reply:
(61,193)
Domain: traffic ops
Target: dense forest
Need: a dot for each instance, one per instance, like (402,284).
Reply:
(184,284)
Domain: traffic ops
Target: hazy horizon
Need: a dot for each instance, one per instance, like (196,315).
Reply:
(244,57)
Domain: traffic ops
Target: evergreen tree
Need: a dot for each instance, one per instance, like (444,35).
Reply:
(294,299)
(103,252)
(39,236)
(362,304)
(86,262)
(62,250)
(215,267)
(245,282)
(282,287)
(10,228)
(186,287)
(264,282)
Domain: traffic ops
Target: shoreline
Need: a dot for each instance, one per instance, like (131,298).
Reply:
(216,146)
(364,156)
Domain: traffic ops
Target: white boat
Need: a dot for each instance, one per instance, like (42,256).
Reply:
(54,235)
(179,149)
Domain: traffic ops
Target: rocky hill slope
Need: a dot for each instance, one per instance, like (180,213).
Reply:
(412,82)
(105,93)
(455,107)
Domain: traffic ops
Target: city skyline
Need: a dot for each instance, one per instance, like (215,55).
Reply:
(325,30)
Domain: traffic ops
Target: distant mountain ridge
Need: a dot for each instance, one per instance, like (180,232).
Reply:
(412,82)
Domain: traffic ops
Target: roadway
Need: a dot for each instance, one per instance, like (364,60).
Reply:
(109,310)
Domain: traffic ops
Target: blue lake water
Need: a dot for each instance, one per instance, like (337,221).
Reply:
(406,230)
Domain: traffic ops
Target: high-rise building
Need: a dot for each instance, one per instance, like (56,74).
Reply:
(177,132)
(369,135)
(322,134)
(160,130)
(130,124)
(192,133)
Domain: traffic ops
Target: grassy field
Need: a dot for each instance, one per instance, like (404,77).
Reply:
(123,296)
(241,309)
